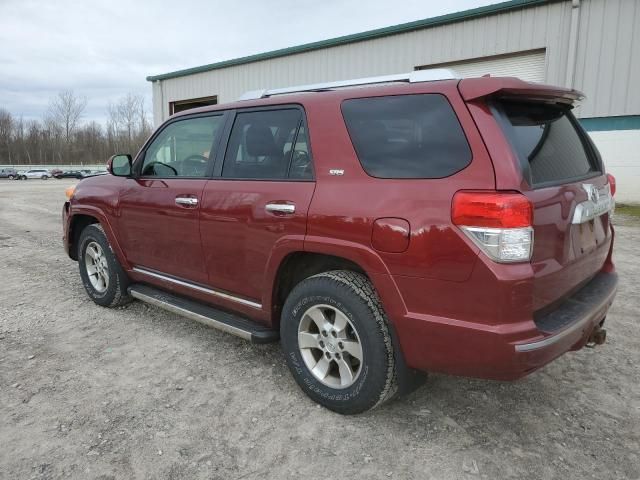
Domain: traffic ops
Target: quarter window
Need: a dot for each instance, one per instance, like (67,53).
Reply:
(183,148)
(268,144)
(407,136)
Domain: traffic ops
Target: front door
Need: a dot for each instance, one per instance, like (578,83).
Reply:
(258,199)
(159,209)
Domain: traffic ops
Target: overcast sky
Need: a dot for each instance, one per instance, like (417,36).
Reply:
(103,49)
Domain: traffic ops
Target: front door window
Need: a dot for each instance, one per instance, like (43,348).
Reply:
(183,148)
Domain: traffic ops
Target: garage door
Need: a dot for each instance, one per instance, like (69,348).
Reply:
(525,65)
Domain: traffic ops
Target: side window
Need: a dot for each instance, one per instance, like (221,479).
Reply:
(406,136)
(267,145)
(183,148)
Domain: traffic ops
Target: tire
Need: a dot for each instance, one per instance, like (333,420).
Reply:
(10,177)
(347,297)
(44,177)
(108,286)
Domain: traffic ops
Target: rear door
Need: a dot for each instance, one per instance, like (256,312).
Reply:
(258,200)
(159,209)
(564,179)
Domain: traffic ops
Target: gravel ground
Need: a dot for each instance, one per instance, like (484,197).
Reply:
(92,393)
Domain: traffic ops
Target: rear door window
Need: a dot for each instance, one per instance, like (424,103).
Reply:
(407,136)
(268,144)
(548,142)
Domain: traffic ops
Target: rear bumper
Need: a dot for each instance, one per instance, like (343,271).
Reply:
(576,315)
(508,351)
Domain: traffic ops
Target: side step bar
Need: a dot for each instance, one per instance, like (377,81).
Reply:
(210,316)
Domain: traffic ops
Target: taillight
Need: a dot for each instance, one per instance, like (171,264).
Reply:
(612,184)
(500,223)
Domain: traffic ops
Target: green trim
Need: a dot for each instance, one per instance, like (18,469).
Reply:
(358,37)
(603,124)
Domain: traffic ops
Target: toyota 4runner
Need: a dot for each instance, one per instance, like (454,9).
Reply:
(378,227)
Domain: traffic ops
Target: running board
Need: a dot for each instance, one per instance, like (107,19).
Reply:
(210,316)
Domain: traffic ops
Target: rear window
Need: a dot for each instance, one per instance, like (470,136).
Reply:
(406,136)
(547,141)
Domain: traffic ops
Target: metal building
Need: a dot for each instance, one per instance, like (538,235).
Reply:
(590,45)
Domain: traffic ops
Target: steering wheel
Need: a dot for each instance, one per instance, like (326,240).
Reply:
(194,165)
(196,156)
(150,169)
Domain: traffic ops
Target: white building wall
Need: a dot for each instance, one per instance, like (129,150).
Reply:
(620,150)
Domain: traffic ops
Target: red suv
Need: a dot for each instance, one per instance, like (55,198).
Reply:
(378,227)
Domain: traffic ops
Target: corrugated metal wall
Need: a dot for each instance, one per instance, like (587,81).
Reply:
(543,27)
(608,61)
(607,64)
(528,66)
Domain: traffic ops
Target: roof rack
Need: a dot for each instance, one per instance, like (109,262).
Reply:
(428,75)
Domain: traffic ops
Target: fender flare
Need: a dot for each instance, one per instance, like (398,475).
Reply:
(99,215)
(365,257)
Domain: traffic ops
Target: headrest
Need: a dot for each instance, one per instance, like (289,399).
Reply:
(260,141)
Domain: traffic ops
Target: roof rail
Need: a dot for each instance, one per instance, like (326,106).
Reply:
(428,75)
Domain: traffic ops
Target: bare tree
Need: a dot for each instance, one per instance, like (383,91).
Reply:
(65,112)
(128,125)
(6,133)
(61,138)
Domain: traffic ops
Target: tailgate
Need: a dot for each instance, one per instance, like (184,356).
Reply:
(565,181)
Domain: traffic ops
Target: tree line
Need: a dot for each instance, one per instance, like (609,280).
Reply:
(61,138)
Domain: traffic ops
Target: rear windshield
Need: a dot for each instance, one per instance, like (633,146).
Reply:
(547,140)
(406,136)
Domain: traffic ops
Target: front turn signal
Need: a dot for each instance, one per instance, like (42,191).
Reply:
(69,191)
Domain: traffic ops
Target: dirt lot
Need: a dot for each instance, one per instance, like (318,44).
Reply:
(91,393)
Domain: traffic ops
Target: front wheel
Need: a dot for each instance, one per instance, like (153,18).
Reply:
(336,340)
(102,276)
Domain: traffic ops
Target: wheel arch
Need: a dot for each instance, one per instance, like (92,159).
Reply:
(77,223)
(295,267)
(82,218)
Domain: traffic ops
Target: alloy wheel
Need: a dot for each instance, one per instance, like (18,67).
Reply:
(330,346)
(97,267)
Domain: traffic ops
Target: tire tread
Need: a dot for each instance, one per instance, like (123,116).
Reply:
(362,287)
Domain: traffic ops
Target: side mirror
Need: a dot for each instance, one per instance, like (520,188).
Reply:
(119,165)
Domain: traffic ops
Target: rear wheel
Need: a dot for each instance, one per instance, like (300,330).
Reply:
(337,343)
(102,276)
(11,177)
(44,177)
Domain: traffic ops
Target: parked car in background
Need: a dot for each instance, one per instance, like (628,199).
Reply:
(427,223)
(9,173)
(37,173)
(70,174)
(55,171)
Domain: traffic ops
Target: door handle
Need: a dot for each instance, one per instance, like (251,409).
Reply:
(186,201)
(282,208)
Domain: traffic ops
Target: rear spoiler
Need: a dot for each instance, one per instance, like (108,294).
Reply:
(510,87)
